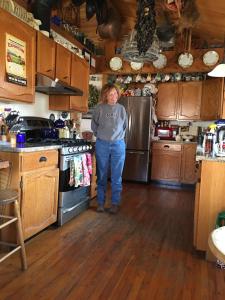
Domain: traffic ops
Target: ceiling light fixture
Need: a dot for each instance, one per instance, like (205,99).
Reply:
(219,70)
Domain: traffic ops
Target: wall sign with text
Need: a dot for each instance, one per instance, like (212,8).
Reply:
(15,60)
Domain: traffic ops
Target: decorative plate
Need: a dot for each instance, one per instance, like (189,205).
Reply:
(160,62)
(136,65)
(210,58)
(185,60)
(115,63)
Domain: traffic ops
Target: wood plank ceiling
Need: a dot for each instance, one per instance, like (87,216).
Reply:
(209,29)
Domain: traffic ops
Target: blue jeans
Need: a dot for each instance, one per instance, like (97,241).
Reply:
(109,154)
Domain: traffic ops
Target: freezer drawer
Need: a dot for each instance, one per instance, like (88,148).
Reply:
(136,166)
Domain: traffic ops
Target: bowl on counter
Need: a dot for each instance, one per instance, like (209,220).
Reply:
(188,138)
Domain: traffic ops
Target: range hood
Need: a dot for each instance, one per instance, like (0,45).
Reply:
(48,86)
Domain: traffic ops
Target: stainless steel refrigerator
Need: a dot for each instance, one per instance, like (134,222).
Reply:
(137,163)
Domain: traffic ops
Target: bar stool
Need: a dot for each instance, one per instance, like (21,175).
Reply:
(7,197)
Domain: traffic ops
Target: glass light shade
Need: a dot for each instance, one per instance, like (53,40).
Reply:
(131,53)
(218,71)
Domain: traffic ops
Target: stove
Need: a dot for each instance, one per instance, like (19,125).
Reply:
(71,146)
(68,146)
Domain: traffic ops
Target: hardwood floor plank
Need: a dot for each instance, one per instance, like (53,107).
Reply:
(144,252)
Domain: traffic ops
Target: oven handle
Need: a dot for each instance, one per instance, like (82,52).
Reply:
(73,207)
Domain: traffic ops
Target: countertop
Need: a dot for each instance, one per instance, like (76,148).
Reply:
(200,157)
(7,147)
(173,142)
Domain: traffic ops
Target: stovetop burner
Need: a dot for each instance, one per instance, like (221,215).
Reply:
(63,142)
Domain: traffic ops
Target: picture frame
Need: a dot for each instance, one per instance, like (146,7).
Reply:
(87,56)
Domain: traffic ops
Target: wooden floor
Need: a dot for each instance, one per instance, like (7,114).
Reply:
(144,252)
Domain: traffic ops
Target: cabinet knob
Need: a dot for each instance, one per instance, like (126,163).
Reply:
(65,77)
(49,70)
(42,159)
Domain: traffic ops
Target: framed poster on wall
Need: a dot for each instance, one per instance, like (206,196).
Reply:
(15,60)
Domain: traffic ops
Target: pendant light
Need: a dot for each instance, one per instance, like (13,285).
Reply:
(219,70)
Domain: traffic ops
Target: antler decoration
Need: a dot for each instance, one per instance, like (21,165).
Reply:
(189,15)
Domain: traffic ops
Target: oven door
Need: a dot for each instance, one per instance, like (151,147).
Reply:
(64,173)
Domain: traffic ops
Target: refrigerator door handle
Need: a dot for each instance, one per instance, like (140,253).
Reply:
(136,152)
(129,122)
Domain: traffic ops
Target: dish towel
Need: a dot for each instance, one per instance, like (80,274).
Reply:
(80,170)
(89,163)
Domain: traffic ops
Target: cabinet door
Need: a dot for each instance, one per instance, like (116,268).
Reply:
(196,212)
(166,165)
(39,200)
(23,34)
(63,64)
(80,79)
(212,97)
(45,55)
(167,101)
(188,170)
(190,94)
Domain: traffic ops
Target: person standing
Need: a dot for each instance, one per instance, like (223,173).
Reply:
(109,122)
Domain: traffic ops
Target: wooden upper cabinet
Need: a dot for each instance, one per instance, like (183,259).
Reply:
(167,101)
(45,55)
(190,94)
(19,32)
(79,79)
(212,99)
(63,64)
(179,101)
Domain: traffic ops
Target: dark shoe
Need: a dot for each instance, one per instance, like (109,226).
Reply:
(100,209)
(114,209)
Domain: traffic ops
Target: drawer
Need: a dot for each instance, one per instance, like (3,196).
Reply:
(35,160)
(167,146)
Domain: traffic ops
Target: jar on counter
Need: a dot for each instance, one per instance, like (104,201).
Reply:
(208,143)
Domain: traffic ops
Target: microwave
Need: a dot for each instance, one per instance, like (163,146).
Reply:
(166,133)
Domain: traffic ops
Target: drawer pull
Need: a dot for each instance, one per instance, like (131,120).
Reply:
(49,70)
(166,146)
(42,159)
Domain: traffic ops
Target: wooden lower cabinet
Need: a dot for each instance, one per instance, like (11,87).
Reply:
(209,201)
(174,162)
(188,166)
(36,176)
(166,165)
(39,200)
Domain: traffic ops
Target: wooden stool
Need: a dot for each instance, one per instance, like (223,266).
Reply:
(9,196)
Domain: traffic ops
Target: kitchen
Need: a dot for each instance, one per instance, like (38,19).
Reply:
(159,219)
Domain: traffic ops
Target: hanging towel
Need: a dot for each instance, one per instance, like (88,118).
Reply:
(89,163)
(86,174)
(72,173)
(78,170)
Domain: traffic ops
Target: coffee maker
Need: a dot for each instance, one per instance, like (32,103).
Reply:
(220,141)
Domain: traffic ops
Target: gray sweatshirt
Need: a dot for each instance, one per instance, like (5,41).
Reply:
(109,122)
